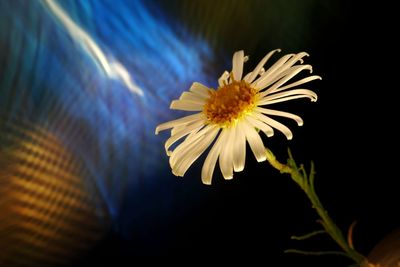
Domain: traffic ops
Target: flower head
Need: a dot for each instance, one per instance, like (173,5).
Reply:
(229,116)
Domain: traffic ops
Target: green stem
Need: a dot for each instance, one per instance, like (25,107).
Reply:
(307,185)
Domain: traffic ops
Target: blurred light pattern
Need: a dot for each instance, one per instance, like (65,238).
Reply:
(387,252)
(50,212)
(58,112)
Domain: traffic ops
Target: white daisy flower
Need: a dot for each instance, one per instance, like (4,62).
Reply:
(229,116)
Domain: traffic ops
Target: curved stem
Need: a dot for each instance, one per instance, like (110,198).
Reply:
(306,183)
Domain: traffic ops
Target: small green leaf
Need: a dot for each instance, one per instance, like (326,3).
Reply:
(316,253)
(306,236)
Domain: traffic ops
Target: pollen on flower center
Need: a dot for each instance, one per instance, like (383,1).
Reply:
(230,102)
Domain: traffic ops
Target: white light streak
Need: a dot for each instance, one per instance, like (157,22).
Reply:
(113,69)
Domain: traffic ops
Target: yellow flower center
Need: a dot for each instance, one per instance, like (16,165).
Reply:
(229,103)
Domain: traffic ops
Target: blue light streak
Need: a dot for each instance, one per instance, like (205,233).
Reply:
(49,79)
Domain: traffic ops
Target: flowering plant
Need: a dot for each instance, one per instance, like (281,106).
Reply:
(235,113)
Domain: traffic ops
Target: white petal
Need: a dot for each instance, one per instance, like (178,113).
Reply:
(255,142)
(200,89)
(273,123)
(179,151)
(209,163)
(299,82)
(193,97)
(178,122)
(246,77)
(237,65)
(284,69)
(225,158)
(178,128)
(239,149)
(194,135)
(186,105)
(284,99)
(272,72)
(183,148)
(281,113)
(282,72)
(270,81)
(296,58)
(181,127)
(185,131)
(196,152)
(276,97)
(182,156)
(261,64)
(293,71)
(223,80)
(268,130)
